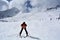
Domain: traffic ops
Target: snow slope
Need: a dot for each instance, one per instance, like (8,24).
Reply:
(41,26)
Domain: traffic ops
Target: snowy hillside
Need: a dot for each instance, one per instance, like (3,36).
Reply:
(9,13)
(41,26)
(43,21)
(43,15)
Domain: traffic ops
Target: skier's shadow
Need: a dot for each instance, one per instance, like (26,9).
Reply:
(34,37)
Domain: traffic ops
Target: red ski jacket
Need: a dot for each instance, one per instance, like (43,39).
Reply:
(23,25)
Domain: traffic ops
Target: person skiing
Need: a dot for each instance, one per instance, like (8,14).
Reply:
(23,26)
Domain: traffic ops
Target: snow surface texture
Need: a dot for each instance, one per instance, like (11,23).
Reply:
(40,27)
(43,25)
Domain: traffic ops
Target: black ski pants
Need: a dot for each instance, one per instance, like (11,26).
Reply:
(25,31)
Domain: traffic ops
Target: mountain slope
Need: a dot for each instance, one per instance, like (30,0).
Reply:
(37,5)
(9,13)
(42,25)
(39,26)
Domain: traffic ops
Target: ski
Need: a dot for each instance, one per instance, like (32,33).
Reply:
(23,36)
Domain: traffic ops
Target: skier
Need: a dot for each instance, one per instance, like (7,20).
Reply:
(23,25)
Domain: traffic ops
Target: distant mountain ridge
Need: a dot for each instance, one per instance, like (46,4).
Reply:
(9,13)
